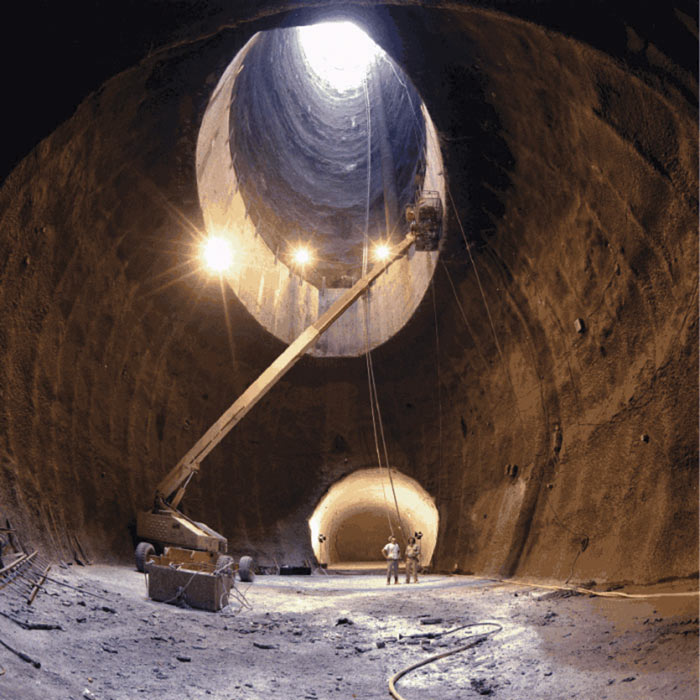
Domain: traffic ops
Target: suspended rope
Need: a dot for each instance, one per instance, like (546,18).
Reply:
(365,307)
(386,452)
(416,124)
(365,245)
(486,306)
(373,404)
(464,316)
(372,385)
(437,364)
(432,135)
(436,145)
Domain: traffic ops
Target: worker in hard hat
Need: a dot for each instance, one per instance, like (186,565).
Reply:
(412,557)
(392,554)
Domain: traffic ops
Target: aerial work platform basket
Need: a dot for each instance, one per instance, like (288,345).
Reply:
(425,220)
(192,578)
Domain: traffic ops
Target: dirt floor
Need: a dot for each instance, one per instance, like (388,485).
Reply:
(344,636)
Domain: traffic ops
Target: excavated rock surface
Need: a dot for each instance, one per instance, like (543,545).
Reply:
(307,637)
(572,163)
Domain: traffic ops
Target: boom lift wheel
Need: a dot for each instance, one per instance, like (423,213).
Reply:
(144,550)
(245,569)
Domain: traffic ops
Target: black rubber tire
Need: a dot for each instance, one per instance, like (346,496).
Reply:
(224,561)
(143,551)
(245,569)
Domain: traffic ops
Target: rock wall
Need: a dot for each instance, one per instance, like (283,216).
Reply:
(550,452)
(595,223)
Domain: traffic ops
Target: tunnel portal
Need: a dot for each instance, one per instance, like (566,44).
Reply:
(353,520)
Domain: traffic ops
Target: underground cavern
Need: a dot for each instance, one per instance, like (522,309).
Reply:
(520,385)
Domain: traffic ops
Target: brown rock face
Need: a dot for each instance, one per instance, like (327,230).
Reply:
(545,391)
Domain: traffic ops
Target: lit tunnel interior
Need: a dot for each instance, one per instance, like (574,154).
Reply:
(352,522)
(554,330)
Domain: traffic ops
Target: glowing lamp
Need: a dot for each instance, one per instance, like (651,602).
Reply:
(217,254)
(302,256)
(382,252)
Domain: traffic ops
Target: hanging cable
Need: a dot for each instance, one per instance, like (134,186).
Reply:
(365,245)
(372,385)
(372,402)
(416,124)
(365,261)
(437,365)
(464,316)
(486,306)
(471,258)
(386,452)
(365,264)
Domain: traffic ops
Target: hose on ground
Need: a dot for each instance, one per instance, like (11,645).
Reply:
(480,637)
(477,639)
(601,594)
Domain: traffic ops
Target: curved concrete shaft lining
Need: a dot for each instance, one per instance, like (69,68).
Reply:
(316,167)
(355,512)
(281,301)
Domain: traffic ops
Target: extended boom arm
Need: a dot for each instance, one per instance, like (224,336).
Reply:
(172,488)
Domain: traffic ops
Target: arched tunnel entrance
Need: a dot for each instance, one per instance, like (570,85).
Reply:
(290,163)
(352,521)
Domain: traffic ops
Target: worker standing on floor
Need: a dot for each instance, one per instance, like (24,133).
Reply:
(392,553)
(412,556)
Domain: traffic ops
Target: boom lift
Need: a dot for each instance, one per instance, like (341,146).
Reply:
(165,526)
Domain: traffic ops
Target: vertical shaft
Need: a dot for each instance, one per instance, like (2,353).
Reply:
(391,201)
